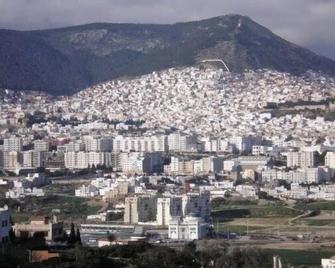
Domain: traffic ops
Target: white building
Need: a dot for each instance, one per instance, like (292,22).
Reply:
(76,160)
(27,157)
(244,144)
(179,142)
(208,165)
(215,145)
(11,160)
(230,165)
(17,193)
(98,144)
(138,162)
(247,191)
(157,143)
(41,146)
(168,207)
(13,144)
(82,160)
(87,191)
(33,159)
(75,146)
(253,162)
(188,228)
(305,175)
(328,263)
(330,159)
(300,159)
(261,149)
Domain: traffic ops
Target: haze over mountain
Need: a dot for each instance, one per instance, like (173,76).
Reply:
(65,60)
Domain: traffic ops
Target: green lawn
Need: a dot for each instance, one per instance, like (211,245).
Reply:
(225,208)
(256,212)
(222,227)
(301,258)
(71,207)
(319,222)
(317,205)
(67,189)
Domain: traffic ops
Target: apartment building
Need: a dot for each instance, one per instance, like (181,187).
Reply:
(196,204)
(330,159)
(41,146)
(5,225)
(140,208)
(98,144)
(157,143)
(13,144)
(82,160)
(179,142)
(168,207)
(300,159)
(139,162)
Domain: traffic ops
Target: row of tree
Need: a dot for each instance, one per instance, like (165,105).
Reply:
(74,236)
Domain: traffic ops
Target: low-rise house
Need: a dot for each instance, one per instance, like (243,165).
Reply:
(50,229)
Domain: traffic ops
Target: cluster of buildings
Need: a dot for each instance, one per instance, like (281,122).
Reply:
(13,156)
(174,140)
(107,188)
(141,153)
(230,104)
(27,186)
(304,192)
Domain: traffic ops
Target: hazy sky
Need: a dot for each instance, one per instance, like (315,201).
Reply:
(309,23)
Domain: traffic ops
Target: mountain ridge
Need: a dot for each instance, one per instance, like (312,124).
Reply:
(65,60)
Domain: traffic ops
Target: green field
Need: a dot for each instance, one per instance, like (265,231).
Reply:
(228,209)
(317,206)
(71,207)
(317,222)
(67,189)
(301,258)
(242,229)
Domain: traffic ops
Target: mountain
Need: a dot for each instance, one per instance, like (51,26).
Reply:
(65,60)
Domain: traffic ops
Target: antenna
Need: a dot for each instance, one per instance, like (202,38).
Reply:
(217,60)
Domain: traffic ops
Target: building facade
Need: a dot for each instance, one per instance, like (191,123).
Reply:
(5,225)
(188,228)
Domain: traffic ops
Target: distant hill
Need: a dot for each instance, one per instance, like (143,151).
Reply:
(65,60)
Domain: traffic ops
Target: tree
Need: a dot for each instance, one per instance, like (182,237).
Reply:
(72,236)
(12,236)
(65,237)
(111,237)
(78,237)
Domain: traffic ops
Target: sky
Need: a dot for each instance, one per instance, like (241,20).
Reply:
(309,23)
